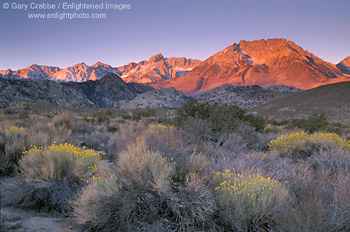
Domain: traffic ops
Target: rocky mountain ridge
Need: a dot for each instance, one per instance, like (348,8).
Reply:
(157,68)
(105,92)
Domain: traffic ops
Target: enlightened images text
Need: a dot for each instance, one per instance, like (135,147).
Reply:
(69,6)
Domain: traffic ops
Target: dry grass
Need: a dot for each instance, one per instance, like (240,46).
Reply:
(321,201)
(13,141)
(138,165)
(64,120)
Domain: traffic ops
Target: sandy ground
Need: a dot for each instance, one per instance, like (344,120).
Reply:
(22,220)
(18,220)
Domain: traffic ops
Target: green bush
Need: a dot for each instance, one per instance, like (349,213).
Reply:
(316,122)
(213,119)
(103,116)
(137,114)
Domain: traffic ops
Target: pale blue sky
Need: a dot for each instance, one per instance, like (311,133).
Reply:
(190,28)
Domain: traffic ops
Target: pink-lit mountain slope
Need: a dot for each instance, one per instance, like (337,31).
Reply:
(33,72)
(260,62)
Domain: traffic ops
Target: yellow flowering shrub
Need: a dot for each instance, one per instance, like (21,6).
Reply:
(296,142)
(160,128)
(248,199)
(330,138)
(15,131)
(61,162)
(287,143)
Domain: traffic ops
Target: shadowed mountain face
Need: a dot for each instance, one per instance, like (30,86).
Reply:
(333,100)
(344,65)
(263,62)
(106,92)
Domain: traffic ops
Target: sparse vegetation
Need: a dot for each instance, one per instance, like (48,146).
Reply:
(140,113)
(210,168)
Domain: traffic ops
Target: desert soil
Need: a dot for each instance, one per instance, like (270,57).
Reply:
(18,220)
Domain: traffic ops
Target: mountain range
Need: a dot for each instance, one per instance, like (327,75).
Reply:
(259,62)
(247,74)
(157,68)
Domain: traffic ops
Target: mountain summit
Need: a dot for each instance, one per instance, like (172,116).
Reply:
(259,62)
